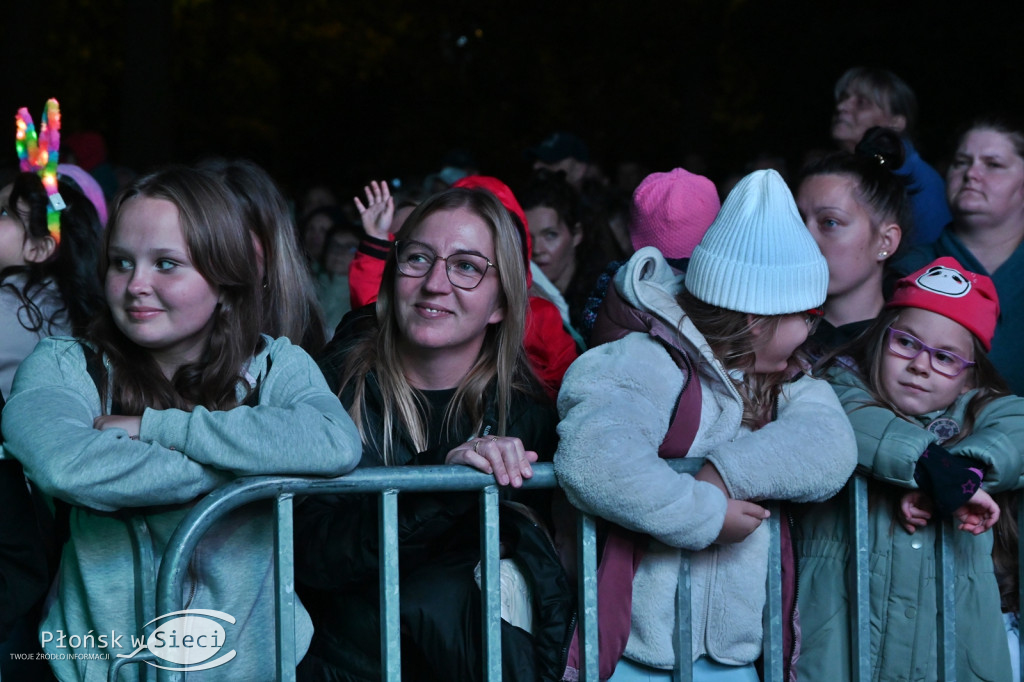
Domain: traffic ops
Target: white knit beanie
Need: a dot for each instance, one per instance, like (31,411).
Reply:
(758,257)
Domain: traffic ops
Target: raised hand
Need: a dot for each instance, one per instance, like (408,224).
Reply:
(379,210)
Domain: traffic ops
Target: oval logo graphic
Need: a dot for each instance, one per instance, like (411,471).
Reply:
(187,639)
(190,640)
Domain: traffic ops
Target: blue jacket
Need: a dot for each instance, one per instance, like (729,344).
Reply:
(927,193)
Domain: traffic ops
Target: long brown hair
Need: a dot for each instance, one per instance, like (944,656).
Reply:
(221,249)
(502,361)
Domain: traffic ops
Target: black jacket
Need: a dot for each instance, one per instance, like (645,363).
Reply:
(337,567)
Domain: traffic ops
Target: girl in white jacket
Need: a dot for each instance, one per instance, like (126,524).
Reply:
(767,430)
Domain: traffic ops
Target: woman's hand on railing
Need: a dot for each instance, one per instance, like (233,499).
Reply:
(503,456)
(979,513)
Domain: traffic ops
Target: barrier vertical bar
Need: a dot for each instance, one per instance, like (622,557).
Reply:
(284,600)
(145,583)
(772,641)
(586,562)
(946,601)
(683,671)
(390,625)
(490,582)
(857,583)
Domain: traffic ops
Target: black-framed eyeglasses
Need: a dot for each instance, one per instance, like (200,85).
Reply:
(465,269)
(946,363)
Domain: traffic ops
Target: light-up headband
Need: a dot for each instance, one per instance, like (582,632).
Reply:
(39,154)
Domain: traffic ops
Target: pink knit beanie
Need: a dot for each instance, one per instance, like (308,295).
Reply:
(672,211)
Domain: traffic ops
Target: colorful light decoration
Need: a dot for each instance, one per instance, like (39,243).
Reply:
(39,153)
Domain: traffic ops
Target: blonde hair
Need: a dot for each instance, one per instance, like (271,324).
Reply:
(502,360)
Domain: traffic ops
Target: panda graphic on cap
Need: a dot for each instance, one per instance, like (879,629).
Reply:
(944,280)
(948,288)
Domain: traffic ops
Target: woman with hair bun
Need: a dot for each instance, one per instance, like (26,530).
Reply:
(857,211)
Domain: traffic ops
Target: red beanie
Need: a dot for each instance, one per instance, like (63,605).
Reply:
(947,288)
(500,190)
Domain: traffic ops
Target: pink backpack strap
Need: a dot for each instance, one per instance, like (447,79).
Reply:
(623,549)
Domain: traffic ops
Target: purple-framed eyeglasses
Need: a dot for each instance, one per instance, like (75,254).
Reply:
(946,363)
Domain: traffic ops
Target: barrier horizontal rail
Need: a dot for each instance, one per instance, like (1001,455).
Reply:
(388,483)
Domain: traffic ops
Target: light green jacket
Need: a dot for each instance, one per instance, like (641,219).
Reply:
(902,566)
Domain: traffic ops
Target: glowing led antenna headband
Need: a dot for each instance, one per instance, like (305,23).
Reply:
(39,154)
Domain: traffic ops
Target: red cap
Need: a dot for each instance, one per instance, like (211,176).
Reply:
(500,190)
(949,289)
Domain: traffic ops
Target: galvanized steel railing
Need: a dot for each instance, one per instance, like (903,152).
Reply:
(166,592)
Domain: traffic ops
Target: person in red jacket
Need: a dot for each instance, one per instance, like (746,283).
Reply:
(549,347)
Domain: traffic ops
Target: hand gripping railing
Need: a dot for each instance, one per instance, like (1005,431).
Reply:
(387,483)
(859,588)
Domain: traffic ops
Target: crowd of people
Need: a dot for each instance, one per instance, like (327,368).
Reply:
(200,325)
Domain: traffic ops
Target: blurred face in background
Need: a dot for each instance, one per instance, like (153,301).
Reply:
(554,245)
(856,111)
(985,181)
(340,250)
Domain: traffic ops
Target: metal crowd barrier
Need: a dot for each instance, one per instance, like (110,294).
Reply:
(388,483)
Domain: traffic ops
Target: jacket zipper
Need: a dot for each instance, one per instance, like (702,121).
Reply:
(790,662)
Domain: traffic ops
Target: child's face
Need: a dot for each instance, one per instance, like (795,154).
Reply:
(14,242)
(772,352)
(156,296)
(913,385)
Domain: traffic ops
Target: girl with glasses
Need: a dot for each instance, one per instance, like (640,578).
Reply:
(435,373)
(938,432)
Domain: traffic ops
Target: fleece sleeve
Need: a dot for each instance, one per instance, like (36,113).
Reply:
(299,426)
(48,426)
(888,446)
(806,454)
(615,405)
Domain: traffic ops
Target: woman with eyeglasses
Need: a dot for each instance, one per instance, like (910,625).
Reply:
(938,431)
(435,373)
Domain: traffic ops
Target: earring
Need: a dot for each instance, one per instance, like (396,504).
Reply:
(883,254)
